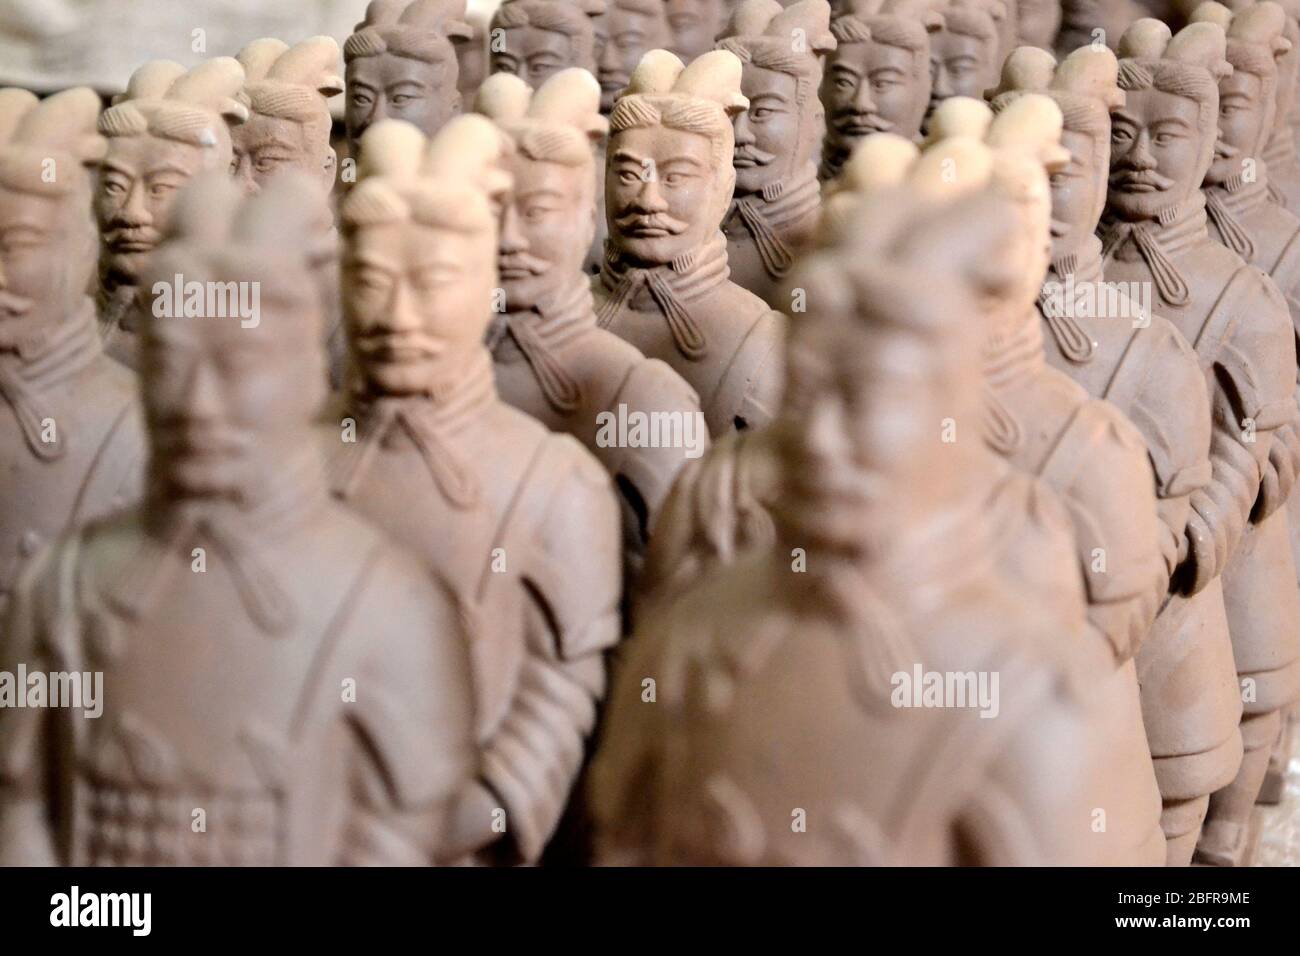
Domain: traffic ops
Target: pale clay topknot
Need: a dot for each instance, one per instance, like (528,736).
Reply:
(14,104)
(959,116)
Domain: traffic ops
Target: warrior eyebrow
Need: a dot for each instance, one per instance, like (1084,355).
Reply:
(682,160)
(395,87)
(108,166)
(628,155)
(845,68)
(772,95)
(166,167)
(276,142)
(540,191)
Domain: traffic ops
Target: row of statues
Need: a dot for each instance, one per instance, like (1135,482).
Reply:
(855,435)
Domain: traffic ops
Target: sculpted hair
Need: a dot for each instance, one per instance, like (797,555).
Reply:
(557,16)
(686,114)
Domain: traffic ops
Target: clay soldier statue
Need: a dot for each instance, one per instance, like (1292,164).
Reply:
(70,429)
(535,39)
(878,78)
(774,211)
(280,672)
(625,32)
(401,64)
(1154,231)
(695,26)
(901,532)
(168,126)
(288,90)
(966,52)
(550,358)
(1115,348)
(1047,425)
(1243,217)
(663,286)
(522,524)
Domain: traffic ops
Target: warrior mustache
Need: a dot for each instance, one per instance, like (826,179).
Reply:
(522,262)
(1141,177)
(752,154)
(852,119)
(640,220)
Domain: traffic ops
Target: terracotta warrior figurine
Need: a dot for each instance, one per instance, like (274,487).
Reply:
(287,687)
(288,90)
(878,78)
(901,532)
(664,284)
(1111,344)
(966,52)
(72,436)
(550,358)
(401,64)
(696,25)
(1154,233)
(168,126)
(1047,425)
(521,524)
(774,211)
(535,39)
(625,32)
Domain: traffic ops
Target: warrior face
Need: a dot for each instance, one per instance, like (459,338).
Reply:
(662,191)
(1157,149)
(223,401)
(851,440)
(137,186)
(1078,191)
(959,65)
(874,88)
(622,38)
(533,54)
(1038,22)
(388,86)
(1242,108)
(547,226)
(47,255)
(695,25)
(265,145)
(417,300)
(772,136)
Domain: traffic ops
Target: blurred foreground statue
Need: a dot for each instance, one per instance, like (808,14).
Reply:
(887,577)
(287,688)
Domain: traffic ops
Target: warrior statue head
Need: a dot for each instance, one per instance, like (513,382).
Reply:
(669,177)
(420,249)
(965,51)
(780,51)
(877,80)
(167,127)
(695,25)
(1163,138)
(401,64)
(535,39)
(625,32)
(1247,95)
(549,219)
(1085,87)
(228,401)
(1037,23)
(288,91)
(48,152)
